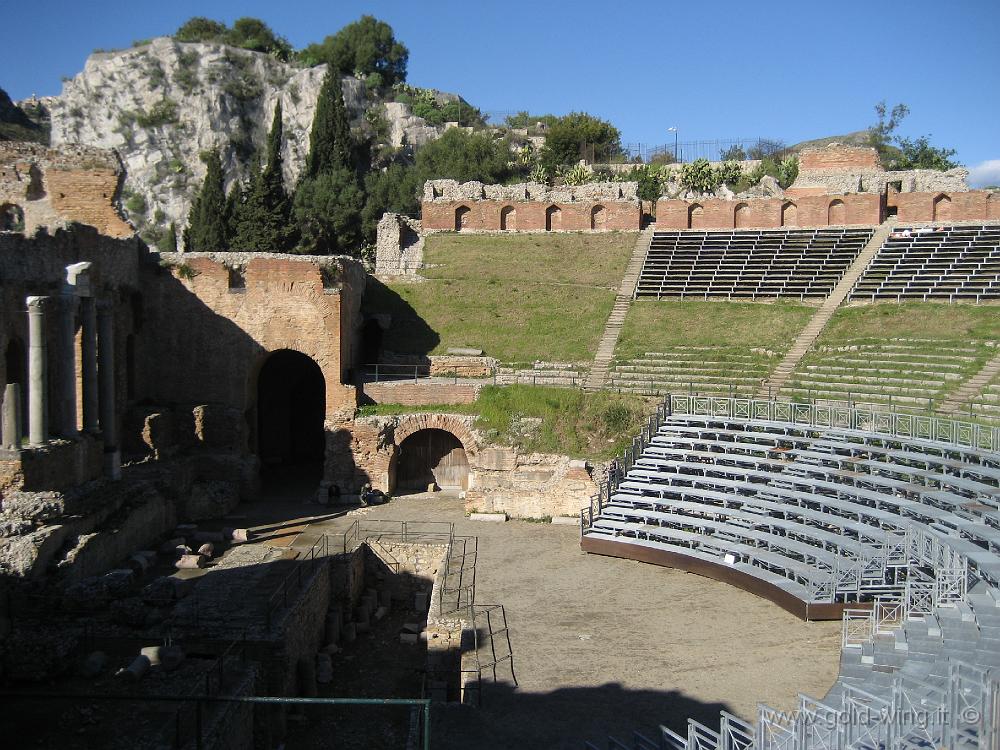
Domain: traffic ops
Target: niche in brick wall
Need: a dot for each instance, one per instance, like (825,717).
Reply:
(942,208)
(508,219)
(553,219)
(741,216)
(789,215)
(836,212)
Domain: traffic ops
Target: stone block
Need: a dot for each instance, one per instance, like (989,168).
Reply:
(494,517)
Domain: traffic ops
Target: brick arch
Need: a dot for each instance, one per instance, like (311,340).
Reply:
(412,423)
(462,218)
(598,217)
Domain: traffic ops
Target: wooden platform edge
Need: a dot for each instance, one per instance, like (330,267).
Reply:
(719,572)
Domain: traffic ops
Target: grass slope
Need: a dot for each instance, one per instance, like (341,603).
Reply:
(658,325)
(518,298)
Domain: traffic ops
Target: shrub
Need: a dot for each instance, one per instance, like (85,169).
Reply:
(164,112)
(699,176)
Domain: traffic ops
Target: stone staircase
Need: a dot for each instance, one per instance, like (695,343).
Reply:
(974,389)
(623,300)
(807,337)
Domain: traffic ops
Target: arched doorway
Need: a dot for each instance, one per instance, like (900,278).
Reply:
(291,404)
(462,218)
(432,456)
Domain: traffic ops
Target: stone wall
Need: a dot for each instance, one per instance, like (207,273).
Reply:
(55,188)
(399,246)
(770,213)
(838,156)
(500,479)
(529,207)
(535,485)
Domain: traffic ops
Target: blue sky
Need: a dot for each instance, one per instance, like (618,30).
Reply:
(790,71)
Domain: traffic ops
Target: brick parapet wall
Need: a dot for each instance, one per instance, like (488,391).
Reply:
(838,156)
(485,215)
(421,393)
(767,213)
(974,205)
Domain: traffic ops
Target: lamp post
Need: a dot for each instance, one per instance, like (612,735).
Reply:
(674,131)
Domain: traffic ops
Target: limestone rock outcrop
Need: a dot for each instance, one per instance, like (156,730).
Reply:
(161,104)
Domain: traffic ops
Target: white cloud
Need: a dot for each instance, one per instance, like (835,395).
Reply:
(985,173)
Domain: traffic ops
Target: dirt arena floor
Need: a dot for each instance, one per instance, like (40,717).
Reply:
(607,646)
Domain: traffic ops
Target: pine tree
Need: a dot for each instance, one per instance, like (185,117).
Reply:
(261,219)
(330,139)
(206,231)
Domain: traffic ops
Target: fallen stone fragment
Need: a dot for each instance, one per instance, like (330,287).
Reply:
(207,549)
(136,670)
(190,562)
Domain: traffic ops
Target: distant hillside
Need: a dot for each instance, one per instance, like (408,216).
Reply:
(15,125)
(857,138)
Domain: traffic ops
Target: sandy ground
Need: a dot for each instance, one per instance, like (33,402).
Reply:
(607,646)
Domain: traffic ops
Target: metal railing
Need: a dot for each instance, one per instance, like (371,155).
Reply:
(302,570)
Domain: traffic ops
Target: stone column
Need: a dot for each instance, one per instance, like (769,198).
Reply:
(37,394)
(11,433)
(88,352)
(106,377)
(65,368)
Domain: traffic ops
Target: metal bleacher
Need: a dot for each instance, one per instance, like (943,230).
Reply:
(955,263)
(888,521)
(749,264)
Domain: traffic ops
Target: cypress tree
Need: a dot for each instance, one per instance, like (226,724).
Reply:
(206,230)
(170,241)
(330,138)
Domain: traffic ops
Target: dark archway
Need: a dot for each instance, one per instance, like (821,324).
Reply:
(371,342)
(462,218)
(291,405)
(432,456)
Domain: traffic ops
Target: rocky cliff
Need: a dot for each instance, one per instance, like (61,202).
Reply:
(160,105)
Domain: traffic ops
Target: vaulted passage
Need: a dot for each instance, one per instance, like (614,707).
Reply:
(291,403)
(429,456)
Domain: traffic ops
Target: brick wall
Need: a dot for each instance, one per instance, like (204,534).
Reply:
(87,197)
(485,215)
(974,205)
(421,393)
(839,156)
(769,213)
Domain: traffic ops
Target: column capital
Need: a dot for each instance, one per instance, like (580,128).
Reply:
(78,279)
(38,302)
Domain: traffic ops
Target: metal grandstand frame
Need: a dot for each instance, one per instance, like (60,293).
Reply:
(958,710)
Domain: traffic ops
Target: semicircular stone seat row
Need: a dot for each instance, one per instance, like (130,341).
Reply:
(832,522)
